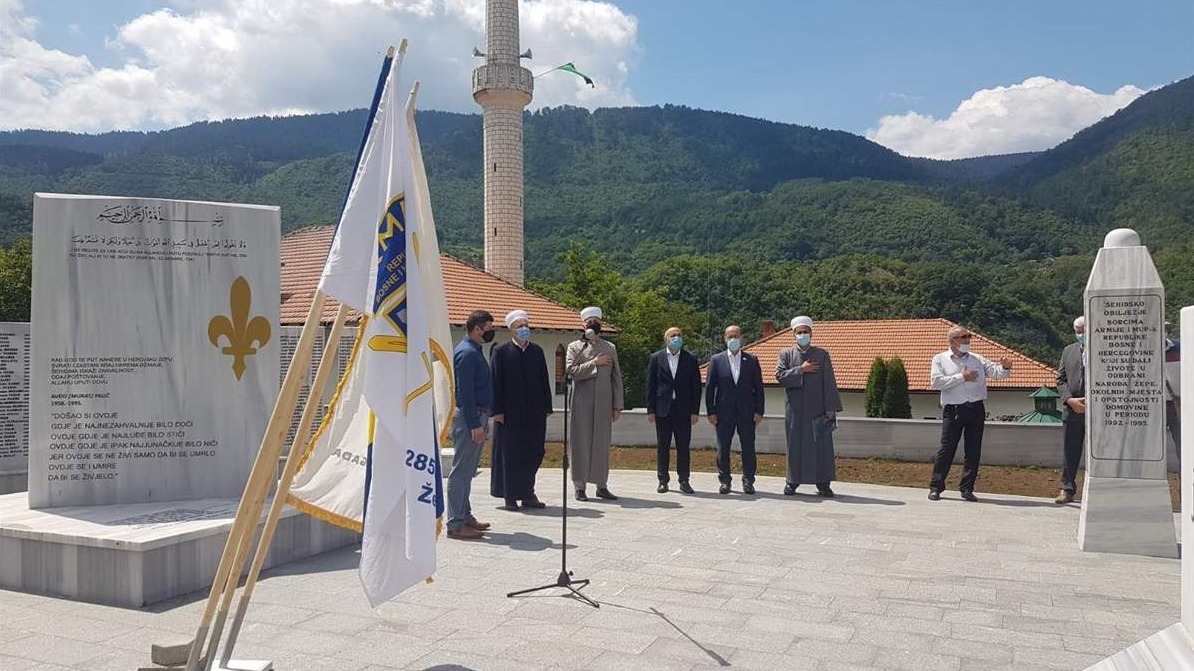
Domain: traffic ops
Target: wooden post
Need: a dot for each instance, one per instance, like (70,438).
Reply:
(249,509)
(326,363)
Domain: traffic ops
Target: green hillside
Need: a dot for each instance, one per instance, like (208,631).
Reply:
(710,216)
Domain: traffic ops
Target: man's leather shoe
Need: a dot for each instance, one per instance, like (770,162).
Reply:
(934,495)
(790,489)
(825,491)
(662,488)
(581,496)
(604,493)
(685,487)
(533,502)
(748,487)
(512,506)
(724,488)
(969,496)
(464,533)
(1064,497)
(479,526)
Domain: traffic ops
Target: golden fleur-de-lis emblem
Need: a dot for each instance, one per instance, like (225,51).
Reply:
(240,331)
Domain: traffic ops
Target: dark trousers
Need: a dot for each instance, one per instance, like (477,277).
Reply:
(679,426)
(958,420)
(1173,420)
(1075,437)
(744,425)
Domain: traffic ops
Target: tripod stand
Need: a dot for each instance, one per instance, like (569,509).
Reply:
(565,579)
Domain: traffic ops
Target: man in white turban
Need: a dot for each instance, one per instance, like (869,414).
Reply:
(810,413)
(592,362)
(521,404)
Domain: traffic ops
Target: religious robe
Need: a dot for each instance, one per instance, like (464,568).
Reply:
(809,397)
(522,393)
(596,393)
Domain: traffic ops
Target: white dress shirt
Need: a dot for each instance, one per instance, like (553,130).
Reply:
(673,361)
(735,364)
(955,389)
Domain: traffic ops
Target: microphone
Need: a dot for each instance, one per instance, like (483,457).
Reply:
(590,334)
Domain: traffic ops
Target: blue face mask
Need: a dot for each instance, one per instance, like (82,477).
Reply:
(524,333)
(803,339)
(676,343)
(1081,338)
(734,344)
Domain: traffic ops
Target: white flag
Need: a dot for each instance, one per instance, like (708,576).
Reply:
(375,267)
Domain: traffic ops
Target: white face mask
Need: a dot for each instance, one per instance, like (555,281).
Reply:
(964,348)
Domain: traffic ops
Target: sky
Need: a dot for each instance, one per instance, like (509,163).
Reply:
(938,78)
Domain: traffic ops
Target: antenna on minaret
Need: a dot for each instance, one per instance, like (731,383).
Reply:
(502,87)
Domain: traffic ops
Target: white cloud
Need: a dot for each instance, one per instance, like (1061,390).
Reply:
(1034,115)
(213,59)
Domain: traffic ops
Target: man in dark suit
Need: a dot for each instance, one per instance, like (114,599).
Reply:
(673,404)
(1071,385)
(734,402)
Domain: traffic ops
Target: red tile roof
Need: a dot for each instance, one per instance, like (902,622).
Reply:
(853,345)
(467,288)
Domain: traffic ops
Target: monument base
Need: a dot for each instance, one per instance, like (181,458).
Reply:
(14,482)
(1167,650)
(132,555)
(1127,516)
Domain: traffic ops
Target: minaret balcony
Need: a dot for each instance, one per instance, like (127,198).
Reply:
(503,76)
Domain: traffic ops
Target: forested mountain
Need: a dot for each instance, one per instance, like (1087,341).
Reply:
(735,218)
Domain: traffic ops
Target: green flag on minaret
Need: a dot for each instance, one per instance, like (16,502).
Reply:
(569,67)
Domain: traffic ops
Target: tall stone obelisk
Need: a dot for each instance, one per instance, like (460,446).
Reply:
(502,87)
(1125,498)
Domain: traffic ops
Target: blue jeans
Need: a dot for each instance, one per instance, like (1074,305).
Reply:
(464,466)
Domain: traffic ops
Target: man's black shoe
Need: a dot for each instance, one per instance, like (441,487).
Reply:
(662,488)
(789,489)
(604,493)
(934,495)
(724,488)
(685,487)
(581,496)
(969,496)
(748,487)
(825,491)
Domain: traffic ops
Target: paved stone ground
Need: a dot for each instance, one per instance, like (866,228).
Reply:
(879,578)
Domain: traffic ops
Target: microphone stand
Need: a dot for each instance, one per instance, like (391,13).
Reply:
(565,579)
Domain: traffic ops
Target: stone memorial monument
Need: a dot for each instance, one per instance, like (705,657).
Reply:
(1172,648)
(14,406)
(1125,499)
(152,375)
(155,357)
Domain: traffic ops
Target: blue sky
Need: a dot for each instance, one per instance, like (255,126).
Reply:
(926,77)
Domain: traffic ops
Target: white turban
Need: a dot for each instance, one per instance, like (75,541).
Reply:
(514,315)
(802,321)
(590,312)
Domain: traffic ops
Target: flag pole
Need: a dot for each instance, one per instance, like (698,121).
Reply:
(314,400)
(243,550)
(548,71)
(249,509)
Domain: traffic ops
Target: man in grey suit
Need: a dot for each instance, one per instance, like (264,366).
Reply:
(1071,385)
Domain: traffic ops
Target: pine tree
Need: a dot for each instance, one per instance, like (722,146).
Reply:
(896,403)
(876,383)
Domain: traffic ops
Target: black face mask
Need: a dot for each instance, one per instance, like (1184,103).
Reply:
(488,336)
(594,325)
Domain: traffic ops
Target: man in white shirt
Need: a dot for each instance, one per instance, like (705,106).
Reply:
(961,377)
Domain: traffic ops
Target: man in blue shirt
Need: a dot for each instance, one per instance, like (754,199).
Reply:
(470,426)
